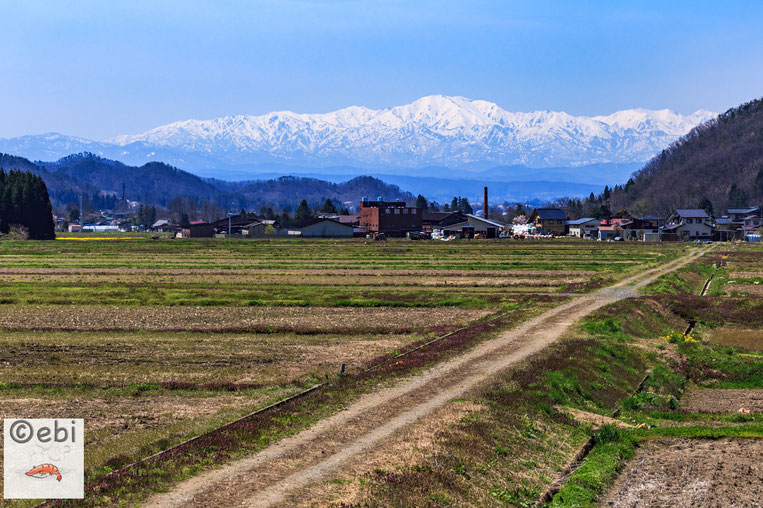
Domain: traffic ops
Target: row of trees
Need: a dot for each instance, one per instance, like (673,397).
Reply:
(25,204)
(457,204)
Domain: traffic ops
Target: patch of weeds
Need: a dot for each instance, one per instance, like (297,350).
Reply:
(608,327)
(613,447)
(518,496)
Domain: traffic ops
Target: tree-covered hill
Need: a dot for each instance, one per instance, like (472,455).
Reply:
(156,183)
(720,161)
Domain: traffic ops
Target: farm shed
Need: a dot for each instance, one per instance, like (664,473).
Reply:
(197,229)
(440,220)
(323,228)
(474,225)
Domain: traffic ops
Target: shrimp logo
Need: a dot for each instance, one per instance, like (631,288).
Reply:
(43,458)
(44,471)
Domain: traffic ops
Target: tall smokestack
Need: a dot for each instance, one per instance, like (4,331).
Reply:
(484,213)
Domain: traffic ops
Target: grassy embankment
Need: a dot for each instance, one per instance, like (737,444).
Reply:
(517,436)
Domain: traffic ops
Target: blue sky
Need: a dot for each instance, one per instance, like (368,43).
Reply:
(96,69)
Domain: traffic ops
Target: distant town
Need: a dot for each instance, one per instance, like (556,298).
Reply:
(380,219)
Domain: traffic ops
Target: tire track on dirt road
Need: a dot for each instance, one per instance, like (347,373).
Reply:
(267,477)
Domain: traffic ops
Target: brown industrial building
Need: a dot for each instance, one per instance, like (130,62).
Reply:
(393,218)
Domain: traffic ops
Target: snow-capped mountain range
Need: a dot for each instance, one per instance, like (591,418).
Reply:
(432,131)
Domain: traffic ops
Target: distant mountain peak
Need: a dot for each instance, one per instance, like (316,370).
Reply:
(435,130)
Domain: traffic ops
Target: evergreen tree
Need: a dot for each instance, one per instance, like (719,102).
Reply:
(24,201)
(285,219)
(303,215)
(421,202)
(737,197)
(328,207)
(433,207)
(464,206)
(344,211)
(706,205)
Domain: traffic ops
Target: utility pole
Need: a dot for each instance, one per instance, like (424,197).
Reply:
(81,214)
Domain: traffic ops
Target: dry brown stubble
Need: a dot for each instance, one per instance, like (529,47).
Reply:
(684,473)
(230,319)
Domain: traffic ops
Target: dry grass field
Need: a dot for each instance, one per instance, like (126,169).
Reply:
(155,341)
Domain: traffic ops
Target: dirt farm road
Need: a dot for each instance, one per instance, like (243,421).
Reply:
(268,477)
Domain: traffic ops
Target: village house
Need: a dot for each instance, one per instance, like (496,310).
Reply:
(645,229)
(164,226)
(752,226)
(260,228)
(738,215)
(583,228)
(474,226)
(611,229)
(549,221)
(393,218)
(687,224)
(724,229)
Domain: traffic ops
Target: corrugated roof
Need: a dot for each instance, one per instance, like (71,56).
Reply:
(491,222)
(743,210)
(577,222)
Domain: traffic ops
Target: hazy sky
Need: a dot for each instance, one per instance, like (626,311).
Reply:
(100,68)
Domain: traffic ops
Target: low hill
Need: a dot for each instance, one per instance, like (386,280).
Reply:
(158,183)
(721,160)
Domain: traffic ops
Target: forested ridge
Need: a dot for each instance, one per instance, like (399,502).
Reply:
(103,182)
(718,165)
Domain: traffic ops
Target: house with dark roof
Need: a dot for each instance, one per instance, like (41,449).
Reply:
(549,221)
(687,224)
(737,215)
(164,226)
(643,229)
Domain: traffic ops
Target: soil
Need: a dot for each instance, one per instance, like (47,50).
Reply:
(690,473)
(268,477)
(706,400)
(748,338)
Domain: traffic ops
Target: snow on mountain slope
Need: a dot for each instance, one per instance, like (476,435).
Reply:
(431,130)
